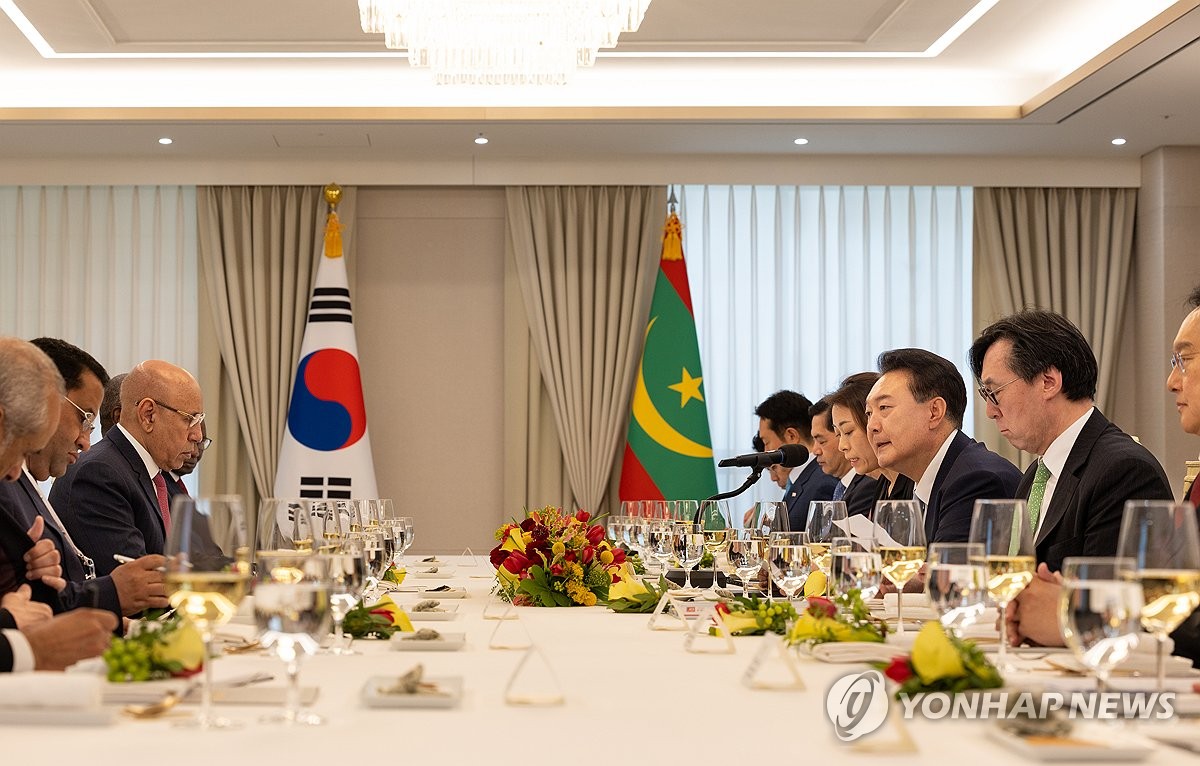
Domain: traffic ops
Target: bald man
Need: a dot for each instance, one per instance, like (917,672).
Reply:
(114,500)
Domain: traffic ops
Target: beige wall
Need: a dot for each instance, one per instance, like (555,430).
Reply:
(429,313)
(1166,267)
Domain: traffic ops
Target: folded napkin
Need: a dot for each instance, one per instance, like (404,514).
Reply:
(853,652)
(916,606)
(75,691)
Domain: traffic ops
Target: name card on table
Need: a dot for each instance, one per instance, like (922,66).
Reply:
(773,667)
(533,682)
(698,639)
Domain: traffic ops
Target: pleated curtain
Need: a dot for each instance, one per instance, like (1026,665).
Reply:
(1065,250)
(585,259)
(258,248)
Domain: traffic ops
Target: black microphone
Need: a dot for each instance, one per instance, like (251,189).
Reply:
(789,455)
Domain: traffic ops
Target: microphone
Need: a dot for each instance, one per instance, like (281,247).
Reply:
(789,455)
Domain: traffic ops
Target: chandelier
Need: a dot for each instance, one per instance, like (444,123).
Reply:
(501,42)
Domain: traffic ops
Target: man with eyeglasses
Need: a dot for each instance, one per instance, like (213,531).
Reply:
(114,500)
(131,587)
(1038,375)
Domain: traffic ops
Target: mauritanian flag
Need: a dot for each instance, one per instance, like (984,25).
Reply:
(668,453)
(326,451)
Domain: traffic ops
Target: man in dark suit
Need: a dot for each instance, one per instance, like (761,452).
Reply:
(130,588)
(914,413)
(783,419)
(857,491)
(114,500)
(1038,375)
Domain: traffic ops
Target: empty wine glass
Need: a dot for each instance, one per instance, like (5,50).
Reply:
(207,573)
(404,535)
(293,615)
(747,551)
(789,563)
(957,584)
(660,542)
(854,565)
(1099,610)
(688,542)
(768,515)
(900,539)
(1159,537)
(283,523)
(1002,527)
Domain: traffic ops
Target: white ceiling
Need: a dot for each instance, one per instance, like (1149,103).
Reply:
(297,79)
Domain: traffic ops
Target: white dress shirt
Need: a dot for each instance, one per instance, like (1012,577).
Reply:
(924,487)
(1056,460)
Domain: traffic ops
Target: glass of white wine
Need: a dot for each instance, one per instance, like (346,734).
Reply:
(957,584)
(1002,527)
(1099,610)
(207,576)
(714,523)
(333,527)
(826,520)
(284,523)
(293,615)
(789,562)
(1159,537)
(747,551)
(900,541)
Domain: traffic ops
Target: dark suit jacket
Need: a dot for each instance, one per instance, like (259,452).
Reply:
(860,496)
(14,543)
(108,503)
(20,501)
(969,472)
(1105,468)
(6,655)
(811,484)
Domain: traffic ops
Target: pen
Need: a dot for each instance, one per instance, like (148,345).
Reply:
(121,559)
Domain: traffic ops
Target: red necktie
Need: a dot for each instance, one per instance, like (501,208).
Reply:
(160,487)
(1195,494)
(182,487)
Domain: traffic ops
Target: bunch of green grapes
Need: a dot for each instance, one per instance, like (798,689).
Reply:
(772,617)
(131,659)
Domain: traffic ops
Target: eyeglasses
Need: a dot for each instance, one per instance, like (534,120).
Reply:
(989,394)
(205,443)
(193,418)
(87,420)
(1178,362)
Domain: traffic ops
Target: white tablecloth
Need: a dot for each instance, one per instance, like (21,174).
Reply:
(632,696)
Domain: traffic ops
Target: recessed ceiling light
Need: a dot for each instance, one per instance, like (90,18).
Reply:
(800,141)
(1118,142)
(481,139)
(165,141)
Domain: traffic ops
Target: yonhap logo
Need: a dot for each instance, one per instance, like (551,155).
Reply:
(857,705)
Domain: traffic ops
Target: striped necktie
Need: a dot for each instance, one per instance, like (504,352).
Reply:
(160,489)
(839,491)
(1037,493)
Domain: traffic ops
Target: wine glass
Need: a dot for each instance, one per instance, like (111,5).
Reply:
(1160,538)
(768,513)
(660,544)
(714,523)
(1099,610)
(403,529)
(283,523)
(207,573)
(826,520)
(347,576)
(333,531)
(957,584)
(789,562)
(900,539)
(747,551)
(684,511)
(688,547)
(293,614)
(854,565)
(1002,527)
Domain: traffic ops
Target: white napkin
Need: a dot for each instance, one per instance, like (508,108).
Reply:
(75,691)
(854,651)
(916,606)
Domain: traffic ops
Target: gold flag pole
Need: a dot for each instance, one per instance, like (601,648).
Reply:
(333,228)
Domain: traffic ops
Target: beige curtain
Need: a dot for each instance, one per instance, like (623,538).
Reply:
(258,250)
(585,261)
(1066,250)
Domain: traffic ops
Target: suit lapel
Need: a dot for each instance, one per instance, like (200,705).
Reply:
(957,446)
(131,455)
(1066,485)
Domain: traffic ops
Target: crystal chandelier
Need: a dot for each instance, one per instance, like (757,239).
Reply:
(501,42)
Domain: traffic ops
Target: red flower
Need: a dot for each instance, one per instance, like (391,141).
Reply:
(618,556)
(821,607)
(556,570)
(516,562)
(617,578)
(527,525)
(582,516)
(899,671)
(498,556)
(595,534)
(569,556)
(589,553)
(722,608)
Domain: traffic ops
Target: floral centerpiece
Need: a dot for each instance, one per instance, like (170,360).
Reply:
(845,618)
(155,649)
(751,616)
(552,558)
(941,663)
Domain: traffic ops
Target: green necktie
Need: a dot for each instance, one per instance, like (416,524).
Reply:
(1037,493)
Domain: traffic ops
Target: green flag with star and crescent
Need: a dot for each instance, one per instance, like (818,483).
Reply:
(668,451)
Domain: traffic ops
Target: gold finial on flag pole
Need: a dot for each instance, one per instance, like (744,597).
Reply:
(333,229)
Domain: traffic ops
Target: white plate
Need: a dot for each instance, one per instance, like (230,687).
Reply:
(451,685)
(140,692)
(441,594)
(1090,743)
(449,642)
(44,716)
(426,573)
(448,612)
(1137,664)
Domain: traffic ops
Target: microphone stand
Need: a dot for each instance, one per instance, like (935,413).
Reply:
(750,482)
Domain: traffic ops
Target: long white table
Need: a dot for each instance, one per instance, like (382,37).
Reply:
(632,696)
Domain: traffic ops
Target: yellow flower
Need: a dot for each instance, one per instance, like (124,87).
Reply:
(515,541)
(183,645)
(398,616)
(589,599)
(628,587)
(815,585)
(934,657)
(606,557)
(559,549)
